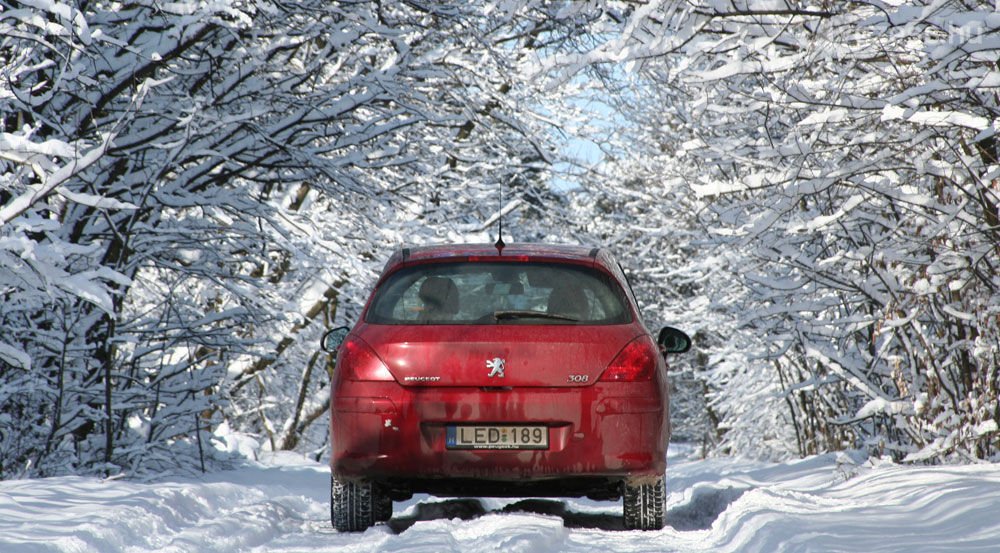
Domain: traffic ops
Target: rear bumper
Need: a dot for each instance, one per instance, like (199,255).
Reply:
(607,431)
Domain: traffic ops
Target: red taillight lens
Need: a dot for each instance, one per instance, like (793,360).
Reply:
(636,362)
(358,361)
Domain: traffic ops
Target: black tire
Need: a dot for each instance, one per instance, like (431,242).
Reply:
(383,507)
(353,504)
(644,503)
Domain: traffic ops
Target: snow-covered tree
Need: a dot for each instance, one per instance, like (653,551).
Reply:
(844,156)
(193,191)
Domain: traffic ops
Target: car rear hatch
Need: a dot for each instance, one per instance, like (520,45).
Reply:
(498,355)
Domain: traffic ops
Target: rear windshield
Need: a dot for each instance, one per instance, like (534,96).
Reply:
(499,293)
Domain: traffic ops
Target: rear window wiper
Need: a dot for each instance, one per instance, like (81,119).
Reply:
(505,315)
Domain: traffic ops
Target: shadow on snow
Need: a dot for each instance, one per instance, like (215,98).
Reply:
(699,513)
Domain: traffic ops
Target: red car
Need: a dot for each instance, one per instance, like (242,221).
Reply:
(523,370)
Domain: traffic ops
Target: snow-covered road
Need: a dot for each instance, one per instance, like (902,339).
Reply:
(821,504)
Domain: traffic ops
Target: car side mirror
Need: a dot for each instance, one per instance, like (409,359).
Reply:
(672,340)
(333,338)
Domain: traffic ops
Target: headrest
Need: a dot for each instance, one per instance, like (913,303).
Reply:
(440,294)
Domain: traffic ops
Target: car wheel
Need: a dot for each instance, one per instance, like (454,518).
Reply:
(354,504)
(383,507)
(645,504)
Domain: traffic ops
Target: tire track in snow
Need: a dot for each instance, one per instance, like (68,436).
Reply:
(820,504)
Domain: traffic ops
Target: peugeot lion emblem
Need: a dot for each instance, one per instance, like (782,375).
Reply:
(496,366)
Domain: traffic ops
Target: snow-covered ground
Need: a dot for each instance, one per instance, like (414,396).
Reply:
(823,504)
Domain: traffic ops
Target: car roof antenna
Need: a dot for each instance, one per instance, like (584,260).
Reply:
(499,245)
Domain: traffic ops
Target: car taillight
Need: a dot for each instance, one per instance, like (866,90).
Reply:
(636,362)
(359,362)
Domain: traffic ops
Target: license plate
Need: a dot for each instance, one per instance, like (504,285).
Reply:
(497,437)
